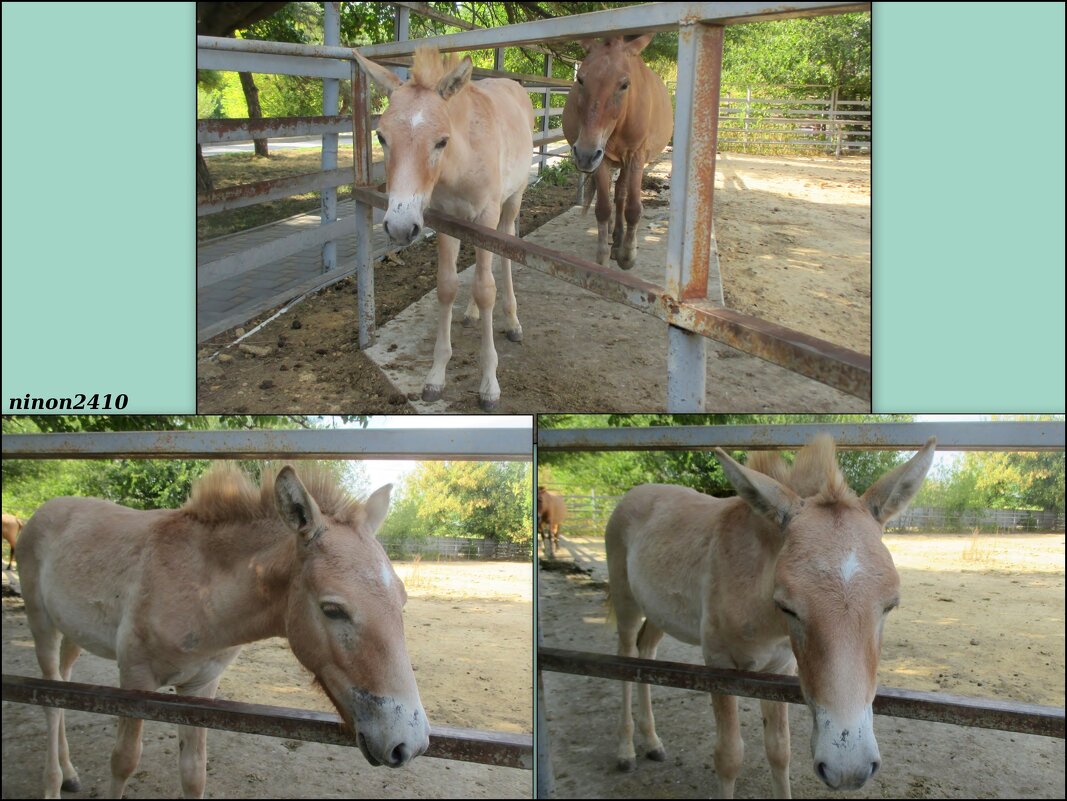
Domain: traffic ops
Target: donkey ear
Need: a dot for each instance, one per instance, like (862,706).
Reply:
(377,506)
(387,81)
(891,494)
(455,80)
(635,46)
(768,497)
(587,44)
(296,507)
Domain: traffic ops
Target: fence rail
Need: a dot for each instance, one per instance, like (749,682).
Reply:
(503,444)
(457,548)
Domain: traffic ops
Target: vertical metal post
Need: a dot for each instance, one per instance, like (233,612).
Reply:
(498,58)
(331,36)
(692,266)
(748,111)
(361,168)
(403,30)
(543,150)
(544,786)
(833,121)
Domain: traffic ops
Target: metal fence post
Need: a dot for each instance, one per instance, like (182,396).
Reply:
(692,268)
(403,32)
(543,150)
(331,36)
(361,168)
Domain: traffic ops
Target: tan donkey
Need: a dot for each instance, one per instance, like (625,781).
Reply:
(464,149)
(172,595)
(789,577)
(619,116)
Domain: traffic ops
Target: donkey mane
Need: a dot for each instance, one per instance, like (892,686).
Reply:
(815,473)
(430,66)
(226,494)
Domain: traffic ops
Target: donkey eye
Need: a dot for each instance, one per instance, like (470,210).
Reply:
(381,140)
(581,81)
(786,609)
(334,612)
(441,143)
(624,85)
(889,607)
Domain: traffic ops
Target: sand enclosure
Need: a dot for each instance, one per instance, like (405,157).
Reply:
(980,616)
(469,634)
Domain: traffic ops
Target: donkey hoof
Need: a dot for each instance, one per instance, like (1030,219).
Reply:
(431,392)
(657,755)
(71,785)
(515,336)
(488,404)
(626,765)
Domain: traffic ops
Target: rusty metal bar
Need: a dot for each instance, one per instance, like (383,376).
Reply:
(362,174)
(425,10)
(236,197)
(961,436)
(533,81)
(240,130)
(636,19)
(983,713)
(468,745)
(476,444)
(815,358)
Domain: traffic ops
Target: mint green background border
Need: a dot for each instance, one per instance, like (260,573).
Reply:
(99,288)
(968,207)
(99,202)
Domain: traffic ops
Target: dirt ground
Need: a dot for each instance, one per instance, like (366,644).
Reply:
(979,617)
(794,243)
(469,633)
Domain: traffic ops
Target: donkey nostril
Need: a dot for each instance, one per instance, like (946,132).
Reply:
(400,754)
(415,230)
(385,225)
(598,154)
(874,767)
(821,770)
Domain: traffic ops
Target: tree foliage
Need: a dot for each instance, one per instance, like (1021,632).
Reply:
(481,500)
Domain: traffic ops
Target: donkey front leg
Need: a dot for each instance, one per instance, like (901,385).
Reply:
(447,283)
(484,295)
(729,747)
(508,213)
(603,212)
(622,184)
(192,743)
(627,256)
(776,742)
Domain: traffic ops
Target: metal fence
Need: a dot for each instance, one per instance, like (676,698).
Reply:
(994,436)
(504,444)
(751,123)
(690,301)
(457,548)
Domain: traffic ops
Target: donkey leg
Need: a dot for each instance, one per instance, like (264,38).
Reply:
(776,742)
(68,654)
(729,747)
(622,184)
(485,297)
(447,282)
(192,743)
(127,751)
(508,212)
(46,644)
(648,639)
(603,212)
(628,250)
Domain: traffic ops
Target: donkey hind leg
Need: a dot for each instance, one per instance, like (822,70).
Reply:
(508,213)
(648,639)
(55,661)
(729,747)
(192,743)
(628,616)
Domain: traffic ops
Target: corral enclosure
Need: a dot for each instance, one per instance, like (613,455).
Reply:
(980,616)
(469,634)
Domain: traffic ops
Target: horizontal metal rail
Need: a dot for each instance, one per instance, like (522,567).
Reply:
(307,65)
(469,745)
(831,364)
(957,436)
(257,255)
(425,10)
(960,710)
(647,18)
(236,197)
(430,444)
(241,130)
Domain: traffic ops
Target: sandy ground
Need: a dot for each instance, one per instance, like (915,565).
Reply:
(469,634)
(980,617)
(794,243)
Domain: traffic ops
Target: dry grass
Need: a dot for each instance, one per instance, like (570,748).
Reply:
(982,549)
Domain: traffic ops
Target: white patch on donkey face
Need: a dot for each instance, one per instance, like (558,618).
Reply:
(416,119)
(850,566)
